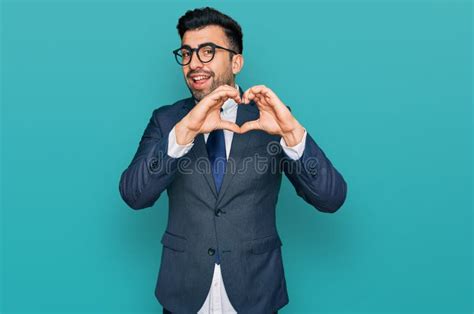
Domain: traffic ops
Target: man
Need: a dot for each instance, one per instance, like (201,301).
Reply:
(220,155)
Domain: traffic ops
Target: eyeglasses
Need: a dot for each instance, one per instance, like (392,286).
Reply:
(205,53)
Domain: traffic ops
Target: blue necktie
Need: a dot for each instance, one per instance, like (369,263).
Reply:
(216,150)
(215,146)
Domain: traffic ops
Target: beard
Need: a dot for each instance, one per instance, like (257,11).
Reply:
(226,78)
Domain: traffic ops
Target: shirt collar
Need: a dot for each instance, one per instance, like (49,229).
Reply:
(230,104)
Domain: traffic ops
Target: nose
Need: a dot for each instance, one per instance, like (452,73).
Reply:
(195,62)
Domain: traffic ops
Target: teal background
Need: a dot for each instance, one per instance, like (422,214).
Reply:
(385,88)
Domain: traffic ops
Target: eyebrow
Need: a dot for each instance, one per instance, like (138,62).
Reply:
(200,45)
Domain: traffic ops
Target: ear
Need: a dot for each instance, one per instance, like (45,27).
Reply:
(237,63)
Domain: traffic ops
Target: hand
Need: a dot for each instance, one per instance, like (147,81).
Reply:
(275,117)
(206,117)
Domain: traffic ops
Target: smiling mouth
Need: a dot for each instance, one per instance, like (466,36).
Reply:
(199,82)
(200,78)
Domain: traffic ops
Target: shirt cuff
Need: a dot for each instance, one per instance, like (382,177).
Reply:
(294,152)
(176,150)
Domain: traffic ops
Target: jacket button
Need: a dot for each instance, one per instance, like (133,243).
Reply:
(211,251)
(219,212)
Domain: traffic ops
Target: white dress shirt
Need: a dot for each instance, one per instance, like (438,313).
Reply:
(217,301)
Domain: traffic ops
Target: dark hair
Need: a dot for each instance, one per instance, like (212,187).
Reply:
(199,18)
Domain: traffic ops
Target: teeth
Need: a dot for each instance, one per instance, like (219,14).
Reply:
(198,78)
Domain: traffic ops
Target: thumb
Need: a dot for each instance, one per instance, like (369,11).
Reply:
(227,125)
(250,125)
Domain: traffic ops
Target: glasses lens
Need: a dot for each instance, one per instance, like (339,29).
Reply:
(183,56)
(206,53)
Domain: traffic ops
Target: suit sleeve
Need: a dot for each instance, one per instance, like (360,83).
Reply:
(151,169)
(315,179)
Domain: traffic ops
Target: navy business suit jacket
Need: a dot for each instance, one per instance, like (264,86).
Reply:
(238,222)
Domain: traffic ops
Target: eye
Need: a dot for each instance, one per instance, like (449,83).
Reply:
(207,51)
(184,53)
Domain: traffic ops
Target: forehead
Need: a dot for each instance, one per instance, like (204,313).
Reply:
(210,33)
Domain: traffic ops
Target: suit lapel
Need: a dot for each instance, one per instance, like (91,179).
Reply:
(199,151)
(204,164)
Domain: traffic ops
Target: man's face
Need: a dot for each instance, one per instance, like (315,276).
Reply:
(219,70)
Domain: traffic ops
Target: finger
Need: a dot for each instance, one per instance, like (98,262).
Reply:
(227,125)
(218,98)
(251,91)
(245,95)
(253,96)
(214,99)
(254,91)
(225,88)
(221,96)
(250,125)
(270,96)
(261,101)
(262,90)
(248,96)
(265,94)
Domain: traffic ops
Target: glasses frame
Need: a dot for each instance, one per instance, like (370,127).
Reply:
(192,50)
